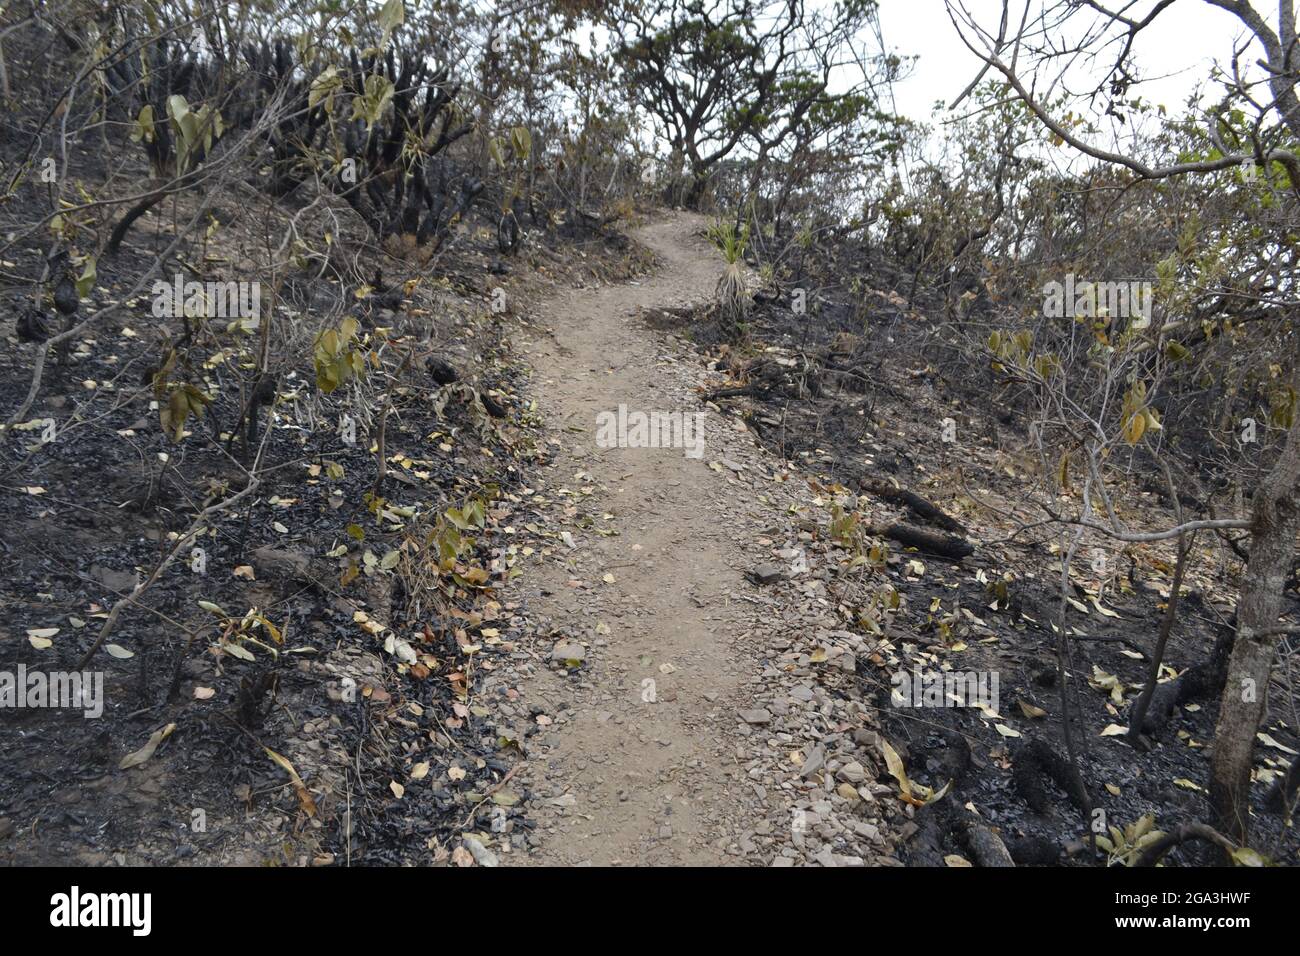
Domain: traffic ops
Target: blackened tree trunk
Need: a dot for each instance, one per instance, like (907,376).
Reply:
(1275,517)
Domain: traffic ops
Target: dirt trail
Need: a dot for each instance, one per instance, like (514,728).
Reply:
(639,761)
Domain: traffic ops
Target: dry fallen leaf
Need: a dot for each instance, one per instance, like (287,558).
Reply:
(1245,856)
(147,751)
(1104,610)
(1268,741)
(304,796)
(894,763)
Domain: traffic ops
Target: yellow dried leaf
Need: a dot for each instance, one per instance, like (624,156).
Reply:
(304,797)
(147,751)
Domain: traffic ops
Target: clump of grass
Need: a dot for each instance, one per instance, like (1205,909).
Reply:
(733,299)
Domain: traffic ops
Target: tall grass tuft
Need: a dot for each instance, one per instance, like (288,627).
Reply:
(732,295)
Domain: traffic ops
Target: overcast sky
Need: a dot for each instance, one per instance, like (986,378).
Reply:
(1180,44)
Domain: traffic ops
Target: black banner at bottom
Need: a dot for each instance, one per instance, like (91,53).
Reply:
(268,905)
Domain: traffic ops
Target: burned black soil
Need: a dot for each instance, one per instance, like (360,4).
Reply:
(859,393)
(289,666)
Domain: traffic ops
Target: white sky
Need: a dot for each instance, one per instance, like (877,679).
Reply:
(1180,44)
